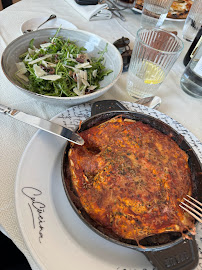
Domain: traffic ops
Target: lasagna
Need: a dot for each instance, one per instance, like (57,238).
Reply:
(130,179)
(178,10)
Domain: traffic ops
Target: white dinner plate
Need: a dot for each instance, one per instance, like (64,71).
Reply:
(167,19)
(33,23)
(53,233)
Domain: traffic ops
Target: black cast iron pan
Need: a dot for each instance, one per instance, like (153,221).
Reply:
(164,251)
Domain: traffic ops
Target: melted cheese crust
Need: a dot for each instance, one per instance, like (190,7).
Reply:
(130,178)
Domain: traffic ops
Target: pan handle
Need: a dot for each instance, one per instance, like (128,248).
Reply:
(106,106)
(182,256)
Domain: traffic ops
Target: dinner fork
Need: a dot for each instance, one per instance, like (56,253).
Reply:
(196,204)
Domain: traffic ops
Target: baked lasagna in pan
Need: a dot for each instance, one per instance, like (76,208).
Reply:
(130,179)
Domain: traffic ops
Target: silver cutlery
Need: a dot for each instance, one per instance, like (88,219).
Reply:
(152,102)
(43,124)
(118,9)
(51,17)
(118,14)
(115,10)
(195,205)
(58,130)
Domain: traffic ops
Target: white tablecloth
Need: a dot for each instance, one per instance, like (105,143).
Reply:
(14,135)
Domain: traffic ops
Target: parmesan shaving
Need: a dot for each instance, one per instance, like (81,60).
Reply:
(83,65)
(21,68)
(51,77)
(38,71)
(40,59)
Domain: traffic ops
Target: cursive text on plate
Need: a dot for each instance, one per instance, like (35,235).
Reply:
(35,206)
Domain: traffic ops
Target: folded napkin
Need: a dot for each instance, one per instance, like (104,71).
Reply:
(92,12)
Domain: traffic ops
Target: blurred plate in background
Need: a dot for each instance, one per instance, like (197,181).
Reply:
(167,19)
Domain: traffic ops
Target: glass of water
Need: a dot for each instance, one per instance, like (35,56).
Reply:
(154,12)
(155,52)
(193,21)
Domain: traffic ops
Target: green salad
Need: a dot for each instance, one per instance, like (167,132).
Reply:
(60,68)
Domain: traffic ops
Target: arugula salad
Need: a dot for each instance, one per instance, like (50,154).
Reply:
(60,68)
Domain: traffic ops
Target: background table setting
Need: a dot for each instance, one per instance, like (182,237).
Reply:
(32,157)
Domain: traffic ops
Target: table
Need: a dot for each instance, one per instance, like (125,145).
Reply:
(14,136)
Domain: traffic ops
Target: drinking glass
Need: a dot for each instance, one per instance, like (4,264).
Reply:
(191,80)
(155,52)
(154,12)
(193,21)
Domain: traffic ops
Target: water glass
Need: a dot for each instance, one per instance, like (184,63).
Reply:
(154,12)
(191,80)
(193,21)
(126,3)
(155,52)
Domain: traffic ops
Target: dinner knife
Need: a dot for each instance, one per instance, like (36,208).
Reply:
(43,124)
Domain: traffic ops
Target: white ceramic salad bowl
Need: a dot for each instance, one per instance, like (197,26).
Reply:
(93,45)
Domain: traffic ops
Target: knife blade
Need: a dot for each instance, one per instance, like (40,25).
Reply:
(118,14)
(153,102)
(43,124)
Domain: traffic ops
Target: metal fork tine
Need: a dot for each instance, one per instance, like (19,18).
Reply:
(193,215)
(196,206)
(195,200)
(198,214)
(192,209)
